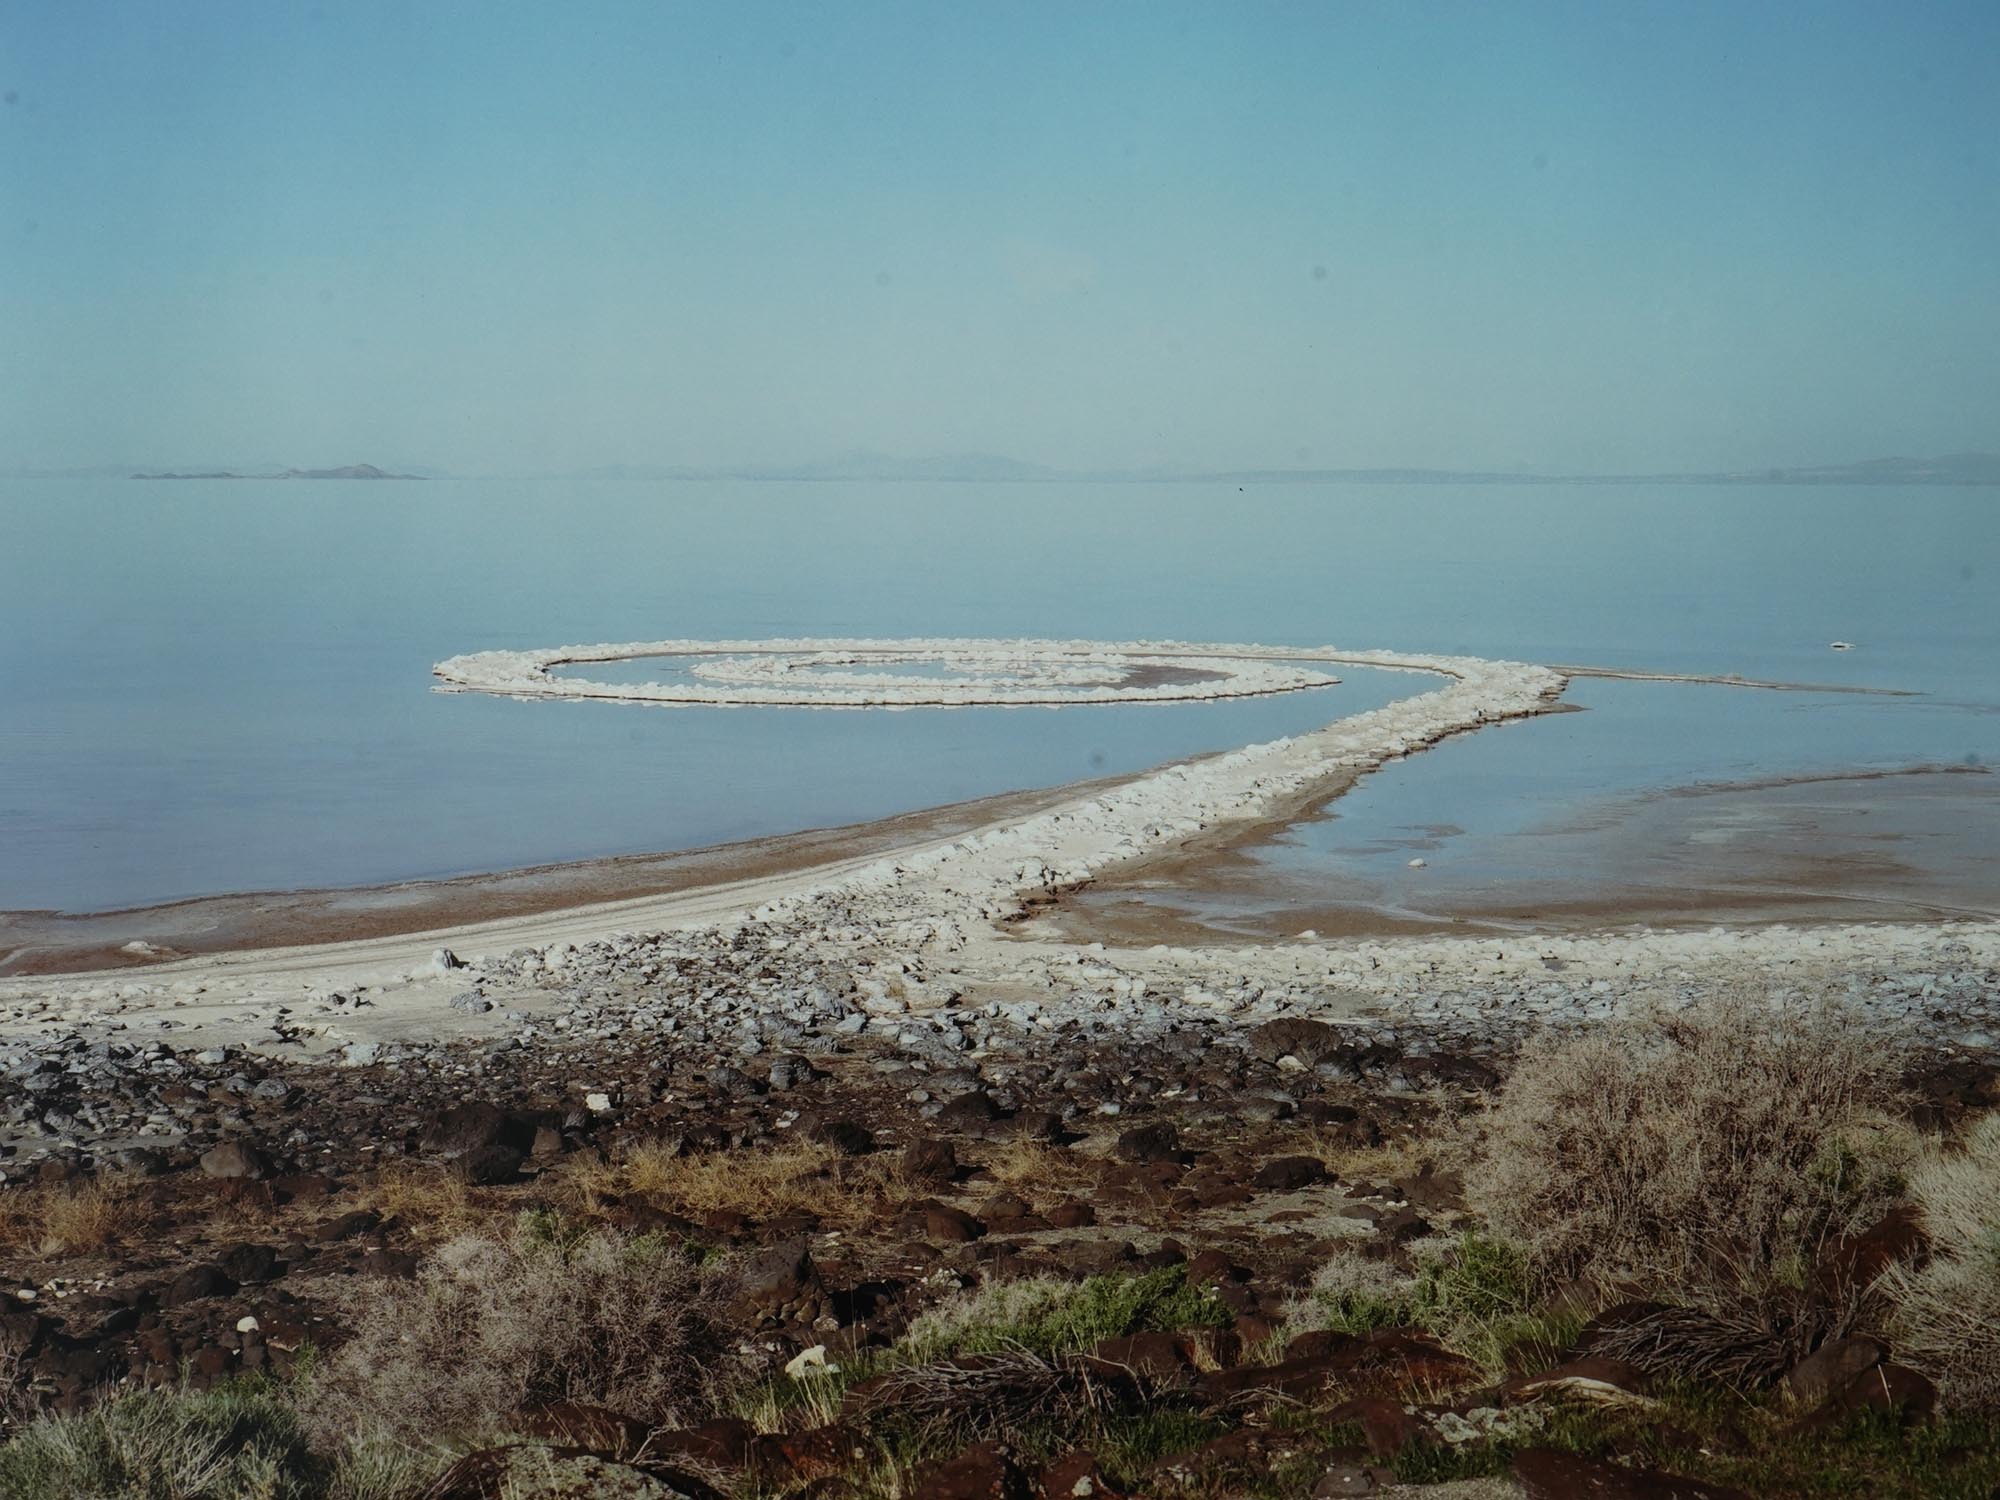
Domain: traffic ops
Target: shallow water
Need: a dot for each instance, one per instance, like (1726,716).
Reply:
(224,685)
(1669,803)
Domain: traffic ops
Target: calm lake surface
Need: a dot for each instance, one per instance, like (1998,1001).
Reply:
(224,685)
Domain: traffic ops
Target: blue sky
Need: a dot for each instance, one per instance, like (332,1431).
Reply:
(502,237)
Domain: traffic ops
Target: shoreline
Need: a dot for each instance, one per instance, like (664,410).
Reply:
(48,942)
(925,911)
(1215,890)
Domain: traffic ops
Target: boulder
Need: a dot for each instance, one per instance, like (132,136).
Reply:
(235,1159)
(1311,1042)
(985,1471)
(1158,1141)
(1287,1174)
(195,1283)
(1830,1367)
(930,1160)
(470,1126)
(781,1283)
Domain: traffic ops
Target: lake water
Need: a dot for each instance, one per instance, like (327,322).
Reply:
(224,685)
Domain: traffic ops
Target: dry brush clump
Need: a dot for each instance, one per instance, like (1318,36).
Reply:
(1040,1172)
(1709,1151)
(1351,1161)
(1947,1309)
(547,1313)
(63,1220)
(767,1182)
(435,1202)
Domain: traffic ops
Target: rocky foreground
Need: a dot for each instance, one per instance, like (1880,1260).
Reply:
(858,1141)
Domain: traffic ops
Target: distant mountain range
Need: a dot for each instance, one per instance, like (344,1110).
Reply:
(987,468)
(859,464)
(1957,468)
(347,471)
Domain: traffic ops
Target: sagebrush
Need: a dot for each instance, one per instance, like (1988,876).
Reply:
(241,1441)
(1714,1148)
(545,1313)
(1947,1310)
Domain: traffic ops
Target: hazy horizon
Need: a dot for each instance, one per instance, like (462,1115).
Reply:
(1556,238)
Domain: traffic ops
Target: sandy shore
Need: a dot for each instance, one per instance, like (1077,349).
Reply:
(942,903)
(580,896)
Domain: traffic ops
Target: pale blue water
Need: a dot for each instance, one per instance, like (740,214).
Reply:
(214,686)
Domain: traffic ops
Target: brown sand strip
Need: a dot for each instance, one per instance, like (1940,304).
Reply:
(46,942)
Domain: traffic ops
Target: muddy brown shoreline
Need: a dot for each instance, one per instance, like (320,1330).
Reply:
(50,942)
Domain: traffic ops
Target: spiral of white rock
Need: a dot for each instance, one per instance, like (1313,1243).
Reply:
(865,673)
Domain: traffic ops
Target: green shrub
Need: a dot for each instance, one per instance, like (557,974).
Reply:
(1352,1293)
(242,1441)
(1045,1316)
(1476,1280)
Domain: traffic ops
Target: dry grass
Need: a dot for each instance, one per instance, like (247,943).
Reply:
(1404,1156)
(434,1202)
(773,1406)
(798,1177)
(546,1314)
(1947,1311)
(70,1219)
(1039,1172)
(1710,1150)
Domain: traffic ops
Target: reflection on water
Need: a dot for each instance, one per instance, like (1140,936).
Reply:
(224,686)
